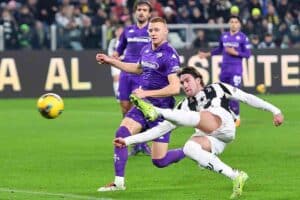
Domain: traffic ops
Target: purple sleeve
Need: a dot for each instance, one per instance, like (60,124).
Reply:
(122,43)
(218,50)
(245,52)
(173,63)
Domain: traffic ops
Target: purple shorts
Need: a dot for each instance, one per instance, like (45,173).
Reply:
(232,79)
(138,116)
(127,83)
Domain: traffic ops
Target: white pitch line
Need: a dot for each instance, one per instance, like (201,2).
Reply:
(74,196)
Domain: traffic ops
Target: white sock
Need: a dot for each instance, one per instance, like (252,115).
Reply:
(119,181)
(180,117)
(116,87)
(207,159)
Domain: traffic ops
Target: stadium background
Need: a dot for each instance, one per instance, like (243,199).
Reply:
(71,157)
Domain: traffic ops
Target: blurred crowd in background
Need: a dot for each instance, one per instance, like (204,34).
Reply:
(26,23)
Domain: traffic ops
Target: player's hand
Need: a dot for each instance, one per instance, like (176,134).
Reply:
(119,142)
(203,54)
(231,51)
(140,93)
(102,58)
(116,55)
(278,119)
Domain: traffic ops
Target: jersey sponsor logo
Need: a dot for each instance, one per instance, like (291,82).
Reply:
(138,39)
(230,44)
(150,64)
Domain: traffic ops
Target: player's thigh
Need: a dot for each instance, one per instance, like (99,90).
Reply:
(159,149)
(124,87)
(133,126)
(210,144)
(209,122)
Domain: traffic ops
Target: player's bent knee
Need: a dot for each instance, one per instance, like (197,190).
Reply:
(190,147)
(160,163)
(122,132)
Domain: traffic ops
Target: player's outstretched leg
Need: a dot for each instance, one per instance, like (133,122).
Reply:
(146,108)
(238,184)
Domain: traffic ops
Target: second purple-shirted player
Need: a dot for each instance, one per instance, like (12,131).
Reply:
(133,39)
(234,46)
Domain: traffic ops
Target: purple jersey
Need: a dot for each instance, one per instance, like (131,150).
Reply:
(157,65)
(240,42)
(131,42)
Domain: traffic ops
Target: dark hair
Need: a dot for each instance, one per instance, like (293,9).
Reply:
(193,72)
(140,2)
(235,17)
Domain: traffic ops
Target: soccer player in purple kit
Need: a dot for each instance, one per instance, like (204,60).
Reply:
(234,46)
(158,65)
(131,41)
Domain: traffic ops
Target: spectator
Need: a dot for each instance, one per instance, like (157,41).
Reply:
(254,41)
(285,44)
(197,17)
(10,30)
(200,41)
(170,15)
(267,43)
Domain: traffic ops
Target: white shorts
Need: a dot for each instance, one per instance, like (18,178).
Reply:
(224,134)
(115,71)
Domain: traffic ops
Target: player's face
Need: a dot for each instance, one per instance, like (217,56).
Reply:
(158,33)
(234,25)
(190,85)
(142,13)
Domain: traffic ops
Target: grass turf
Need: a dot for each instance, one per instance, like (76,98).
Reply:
(70,157)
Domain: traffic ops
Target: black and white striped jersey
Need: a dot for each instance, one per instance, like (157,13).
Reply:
(219,94)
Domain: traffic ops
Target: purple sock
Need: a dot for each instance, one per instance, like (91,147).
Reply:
(172,156)
(121,154)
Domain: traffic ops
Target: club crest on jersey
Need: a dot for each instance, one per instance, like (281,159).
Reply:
(131,31)
(158,55)
(237,37)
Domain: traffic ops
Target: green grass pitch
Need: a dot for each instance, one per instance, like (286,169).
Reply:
(70,157)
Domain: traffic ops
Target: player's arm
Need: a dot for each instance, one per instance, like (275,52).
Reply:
(252,100)
(151,134)
(219,49)
(173,88)
(245,51)
(128,67)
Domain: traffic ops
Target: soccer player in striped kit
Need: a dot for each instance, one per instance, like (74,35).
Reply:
(206,108)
